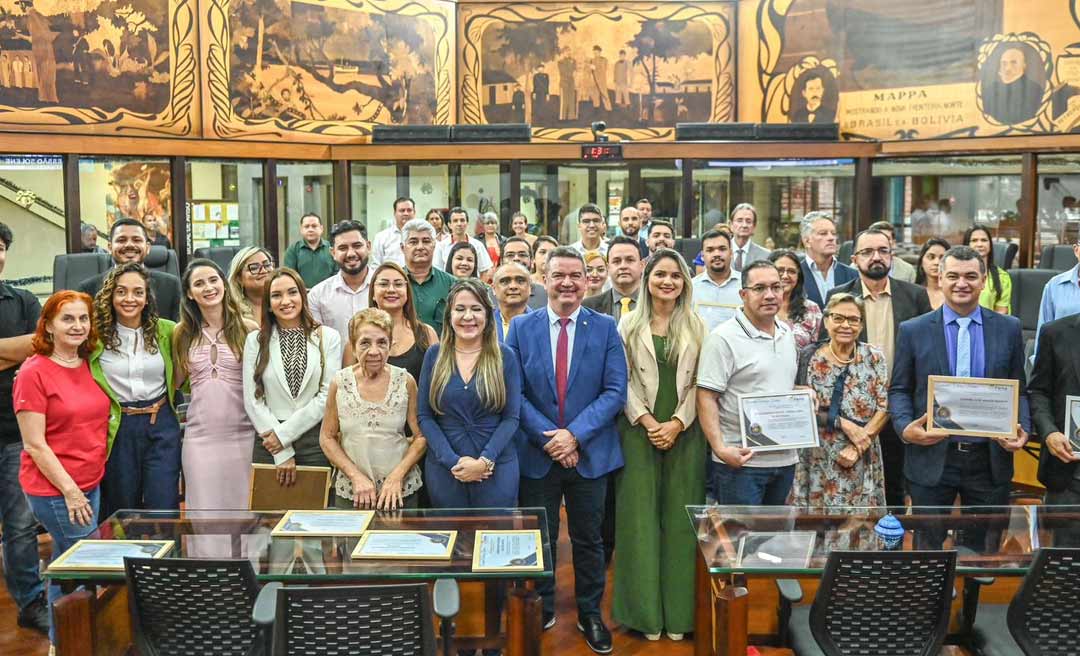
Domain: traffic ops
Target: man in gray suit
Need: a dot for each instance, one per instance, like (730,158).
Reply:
(743,249)
(889,302)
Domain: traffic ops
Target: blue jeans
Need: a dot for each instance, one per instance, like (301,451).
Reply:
(752,486)
(21,572)
(52,512)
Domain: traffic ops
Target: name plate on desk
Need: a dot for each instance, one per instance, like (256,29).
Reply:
(107,555)
(974,407)
(406,545)
(771,422)
(508,551)
(323,523)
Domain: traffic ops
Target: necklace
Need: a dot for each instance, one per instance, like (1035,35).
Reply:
(59,358)
(463,352)
(837,356)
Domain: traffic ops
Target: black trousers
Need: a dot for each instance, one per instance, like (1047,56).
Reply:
(892,460)
(967,474)
(584,517)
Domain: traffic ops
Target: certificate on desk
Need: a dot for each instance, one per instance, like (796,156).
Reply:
(107,555)
(771,422)
(780,550)
(406,545)
(975,407)
(508,551)
(323,523)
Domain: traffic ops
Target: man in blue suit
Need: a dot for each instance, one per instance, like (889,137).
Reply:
(568,443)
(958,339)
(821,270)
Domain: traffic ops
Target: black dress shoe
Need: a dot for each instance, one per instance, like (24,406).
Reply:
(549,620)
(596,634)
(35,615)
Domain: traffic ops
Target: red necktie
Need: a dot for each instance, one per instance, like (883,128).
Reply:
(561,368)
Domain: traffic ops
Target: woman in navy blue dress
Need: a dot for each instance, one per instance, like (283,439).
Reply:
(469,399)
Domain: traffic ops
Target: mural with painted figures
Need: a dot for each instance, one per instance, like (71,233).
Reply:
(330,68)
(113,64)
(638,67)
(914,70)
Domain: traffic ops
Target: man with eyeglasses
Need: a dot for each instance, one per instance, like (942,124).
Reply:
(591,226)
(334,301)
(751,352)
(888,303)
(430,285)
(129,242)
(900,270)
(512,283)
(821,270)
(743,249)
(519,251)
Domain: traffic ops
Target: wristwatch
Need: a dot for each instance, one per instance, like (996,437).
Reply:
(488,462)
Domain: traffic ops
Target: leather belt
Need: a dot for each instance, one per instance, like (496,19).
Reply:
(151,409)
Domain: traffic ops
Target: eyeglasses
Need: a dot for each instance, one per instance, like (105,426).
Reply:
(256,267)
(842,319)
(591,221)
(386,284)
(761,289)
(868,252)
(596,271)
(783,271)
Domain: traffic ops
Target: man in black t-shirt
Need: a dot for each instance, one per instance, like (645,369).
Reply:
(19,311)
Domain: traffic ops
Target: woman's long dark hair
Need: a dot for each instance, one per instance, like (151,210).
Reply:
(992,270)
(105,315)
(270,324)
(920,275)
(408,309)
(797,303)
(460,246)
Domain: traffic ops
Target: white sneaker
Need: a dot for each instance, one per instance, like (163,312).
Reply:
(675,636)
(652,636)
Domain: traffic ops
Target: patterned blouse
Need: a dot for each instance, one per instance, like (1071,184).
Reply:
(806,331)
(294,357)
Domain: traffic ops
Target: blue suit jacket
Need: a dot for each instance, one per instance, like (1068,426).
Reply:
(843,273)
(595,393)
(921,351)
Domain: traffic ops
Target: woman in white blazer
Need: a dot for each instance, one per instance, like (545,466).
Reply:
(288,366)
(665,454)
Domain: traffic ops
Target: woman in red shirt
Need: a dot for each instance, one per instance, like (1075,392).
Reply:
(64,420)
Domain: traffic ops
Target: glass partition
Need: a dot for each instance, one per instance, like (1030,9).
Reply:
(1057,209)
(373,191)
(224,203)
(303,188)
(115,188)
(712,200)
(32,197)
(429,186)
(661,183)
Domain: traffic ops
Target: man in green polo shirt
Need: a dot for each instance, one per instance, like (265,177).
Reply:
(430,286)
(310,255)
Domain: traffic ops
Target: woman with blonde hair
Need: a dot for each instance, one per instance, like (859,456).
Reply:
(363,433)
(596,273)
(470,398)
(247,277)
(208,347)
(665,454)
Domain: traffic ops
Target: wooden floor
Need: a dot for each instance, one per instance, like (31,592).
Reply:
(563,639)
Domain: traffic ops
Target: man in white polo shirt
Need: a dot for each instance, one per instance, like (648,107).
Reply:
(751,352)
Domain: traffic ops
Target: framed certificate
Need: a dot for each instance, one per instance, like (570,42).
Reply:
(323,523)
(107,555)
(771,422)
(782,550)
(974,407)
(508,551)
(406,545)
(1072,422)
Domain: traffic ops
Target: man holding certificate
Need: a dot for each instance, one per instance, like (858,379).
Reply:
(751,353)
(1055,408)
(962,342)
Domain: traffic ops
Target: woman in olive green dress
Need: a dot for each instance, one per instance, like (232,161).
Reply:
(665,455)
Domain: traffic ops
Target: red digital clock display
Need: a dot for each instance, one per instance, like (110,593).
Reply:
(601,152)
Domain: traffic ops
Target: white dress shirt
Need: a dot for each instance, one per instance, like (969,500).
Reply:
(386,247)
(442,251)
(133,373)
(825,280)
(333,303)
(554,328)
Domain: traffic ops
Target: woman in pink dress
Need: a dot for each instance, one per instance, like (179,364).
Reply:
(208,345)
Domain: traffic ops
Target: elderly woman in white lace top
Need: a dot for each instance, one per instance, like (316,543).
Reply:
(363,433)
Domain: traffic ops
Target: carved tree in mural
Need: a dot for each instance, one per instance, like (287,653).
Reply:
(523,46)
(664,41)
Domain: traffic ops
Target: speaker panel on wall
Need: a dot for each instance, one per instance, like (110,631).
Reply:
(715,131)
(497,132)
(798,131)
(403,134)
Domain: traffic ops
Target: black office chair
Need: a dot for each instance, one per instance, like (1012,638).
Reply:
(888,602)
(220,255)
(71,269)
(1058,257)
(688,247)
(163,259)
(1043,618)
(374,619)
(1005,254)
(187,606)
(1027,289)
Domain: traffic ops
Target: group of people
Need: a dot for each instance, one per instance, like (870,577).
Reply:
(603,374)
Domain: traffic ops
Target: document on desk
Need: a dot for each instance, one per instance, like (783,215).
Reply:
(406,545)
(508,551)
